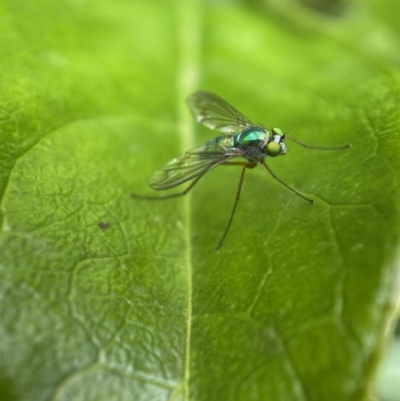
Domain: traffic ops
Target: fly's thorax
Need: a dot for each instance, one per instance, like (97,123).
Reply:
(252,137)
(276,146)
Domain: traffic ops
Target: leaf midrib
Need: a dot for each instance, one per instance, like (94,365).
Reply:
(187,81)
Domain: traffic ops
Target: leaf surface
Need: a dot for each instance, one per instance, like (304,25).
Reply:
(108,297)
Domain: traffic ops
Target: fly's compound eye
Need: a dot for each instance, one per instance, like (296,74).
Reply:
(274,149)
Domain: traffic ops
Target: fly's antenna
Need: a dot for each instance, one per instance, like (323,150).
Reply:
(309,146)
(294,125)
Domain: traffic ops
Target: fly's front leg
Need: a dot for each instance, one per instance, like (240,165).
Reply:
(283,183)
(244,164)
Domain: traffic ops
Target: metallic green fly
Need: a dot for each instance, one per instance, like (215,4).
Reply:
(242,139)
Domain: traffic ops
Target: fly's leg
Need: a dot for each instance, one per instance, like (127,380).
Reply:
(146,197)
(245,166)
(286,185)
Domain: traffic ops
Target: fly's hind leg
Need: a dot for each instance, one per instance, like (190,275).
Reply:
(155,198)
(245,166)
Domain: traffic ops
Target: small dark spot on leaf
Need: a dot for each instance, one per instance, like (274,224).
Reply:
(103,225)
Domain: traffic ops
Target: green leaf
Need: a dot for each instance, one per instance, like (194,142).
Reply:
(108,297)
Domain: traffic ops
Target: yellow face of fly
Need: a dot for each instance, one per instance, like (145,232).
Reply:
(277,145)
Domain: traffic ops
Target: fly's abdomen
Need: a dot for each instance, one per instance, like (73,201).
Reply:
(224,142)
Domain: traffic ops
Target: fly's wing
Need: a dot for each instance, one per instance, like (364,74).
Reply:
(214,112)
(190,165)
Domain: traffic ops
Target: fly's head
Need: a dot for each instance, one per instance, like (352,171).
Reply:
(276,146)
